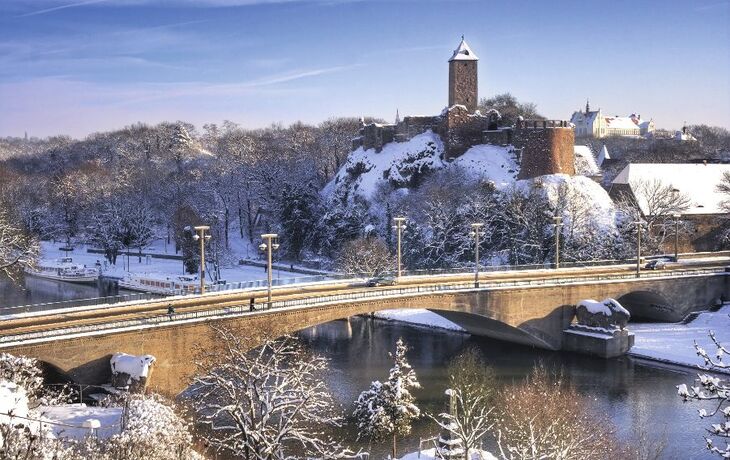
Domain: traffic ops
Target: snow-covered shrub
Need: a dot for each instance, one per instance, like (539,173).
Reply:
(717,391)
(22,371)
(22,433)
(388,408)
(544,417)
(268,403)
(151,430)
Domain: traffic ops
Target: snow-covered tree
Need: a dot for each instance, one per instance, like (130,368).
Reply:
(388,408)
(716,391)
(545,418)
(265,404)
(471,390)
(297,215)
(369,256)
(18,248)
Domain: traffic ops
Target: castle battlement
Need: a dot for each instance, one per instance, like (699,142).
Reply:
(545,146)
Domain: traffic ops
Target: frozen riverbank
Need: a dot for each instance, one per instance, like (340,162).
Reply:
(419,317)
(674,343)
(667,343)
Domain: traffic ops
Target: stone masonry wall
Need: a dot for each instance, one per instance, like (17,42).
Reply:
(463,84)
(545,149)
(461,130)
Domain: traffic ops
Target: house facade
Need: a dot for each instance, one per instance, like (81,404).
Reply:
(597,125)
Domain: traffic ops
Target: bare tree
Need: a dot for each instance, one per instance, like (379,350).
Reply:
(265,404)
(369,256)
(543,417)
(654,203)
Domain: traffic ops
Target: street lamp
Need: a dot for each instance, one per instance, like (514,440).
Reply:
(638,224)
(202,237)
(676,236)
(270,244)
(476,232)
(400,225)
(557,222)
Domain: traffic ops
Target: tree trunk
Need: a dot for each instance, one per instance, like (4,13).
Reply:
(394,446)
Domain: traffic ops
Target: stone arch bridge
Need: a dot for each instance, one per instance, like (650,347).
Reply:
(531,312)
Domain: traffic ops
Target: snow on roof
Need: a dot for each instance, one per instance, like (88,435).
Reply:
(620,123)
(463,53)
(585,162)
(697,181)
(603,155)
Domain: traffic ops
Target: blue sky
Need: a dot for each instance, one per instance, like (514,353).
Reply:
(76,67)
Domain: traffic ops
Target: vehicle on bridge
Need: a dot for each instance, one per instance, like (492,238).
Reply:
(381,280)
(64,269)
(656,264)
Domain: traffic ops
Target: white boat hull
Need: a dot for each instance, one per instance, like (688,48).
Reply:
(67,278)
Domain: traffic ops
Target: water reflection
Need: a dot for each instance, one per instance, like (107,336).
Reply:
(635,396)
(34,290)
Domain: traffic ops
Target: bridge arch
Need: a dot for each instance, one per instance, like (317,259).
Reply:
(648,304)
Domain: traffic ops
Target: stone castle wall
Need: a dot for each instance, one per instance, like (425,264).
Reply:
(547,147)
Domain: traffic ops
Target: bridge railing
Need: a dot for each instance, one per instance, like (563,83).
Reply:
(107,300)
(244,309)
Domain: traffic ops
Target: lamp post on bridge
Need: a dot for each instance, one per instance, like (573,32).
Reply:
(676,236)
(269,245)
(557,222)
(638,224)
(476,232)
(202,237)
(400,225)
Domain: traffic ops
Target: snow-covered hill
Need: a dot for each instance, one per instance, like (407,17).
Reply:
(403,164)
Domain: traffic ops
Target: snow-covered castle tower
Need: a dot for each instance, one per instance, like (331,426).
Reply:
(463,77)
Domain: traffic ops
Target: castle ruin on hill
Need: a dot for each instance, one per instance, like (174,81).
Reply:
(543,146)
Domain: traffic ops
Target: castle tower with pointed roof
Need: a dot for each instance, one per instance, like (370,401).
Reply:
(463,79)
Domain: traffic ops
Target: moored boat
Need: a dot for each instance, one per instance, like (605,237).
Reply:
(160,283)
(64,269)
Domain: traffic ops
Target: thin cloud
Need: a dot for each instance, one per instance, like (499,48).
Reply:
(60,7)
(712,6)
(183,89)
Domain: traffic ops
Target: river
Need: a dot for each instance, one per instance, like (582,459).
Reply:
(636,396)
(33,290)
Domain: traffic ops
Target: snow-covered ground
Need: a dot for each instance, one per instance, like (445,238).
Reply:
(236,273)
(674,343)
(68,420)
(430,454)
(419,317)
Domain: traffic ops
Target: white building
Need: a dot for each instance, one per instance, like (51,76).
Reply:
(595,124)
